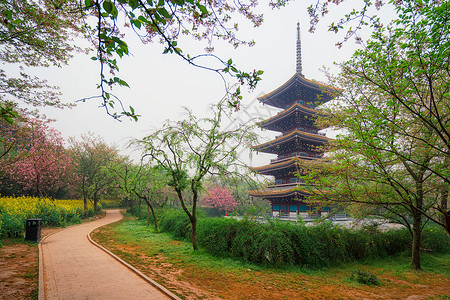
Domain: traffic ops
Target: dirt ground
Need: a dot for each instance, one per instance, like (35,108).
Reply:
(190,282)
(19,265)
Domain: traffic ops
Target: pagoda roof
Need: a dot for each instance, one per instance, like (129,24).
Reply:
(278,192)
(275,122)
(291,136)
(299,88)
(283,164)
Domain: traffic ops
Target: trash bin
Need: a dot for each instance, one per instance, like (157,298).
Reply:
(33,230)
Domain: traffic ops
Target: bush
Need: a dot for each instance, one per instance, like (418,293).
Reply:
(364,278)
(435,239)
(279,242)
(176,222)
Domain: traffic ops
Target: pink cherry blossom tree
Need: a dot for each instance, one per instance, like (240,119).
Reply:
(221,198)
(42,165)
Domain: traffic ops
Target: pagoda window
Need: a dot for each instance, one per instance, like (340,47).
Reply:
(294,179)
(278,181)
(302,208)
(293,208)
(302,154)
(293,154)
(318,156)
(275,207)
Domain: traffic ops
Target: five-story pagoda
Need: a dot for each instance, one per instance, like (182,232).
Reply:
(299,141)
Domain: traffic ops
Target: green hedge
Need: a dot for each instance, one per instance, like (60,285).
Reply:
(279,243)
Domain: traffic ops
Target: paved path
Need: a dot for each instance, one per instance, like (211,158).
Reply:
(76,269)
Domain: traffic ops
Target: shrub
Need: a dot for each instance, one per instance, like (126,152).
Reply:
(364,278)
(279,243)
(176,222)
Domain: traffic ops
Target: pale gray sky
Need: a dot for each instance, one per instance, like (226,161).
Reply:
(162,84)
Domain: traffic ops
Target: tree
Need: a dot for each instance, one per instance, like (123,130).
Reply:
(221,198)
(33,34)
(40,164)
(93,157)
(143,181)
(396,117)
(191,149)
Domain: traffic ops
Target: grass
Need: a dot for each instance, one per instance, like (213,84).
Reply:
(160,257)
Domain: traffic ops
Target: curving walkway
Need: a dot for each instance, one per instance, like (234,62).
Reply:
(73,268)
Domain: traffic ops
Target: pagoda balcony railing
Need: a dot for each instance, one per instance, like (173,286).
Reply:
(286,157)
(302,130)
(289,184)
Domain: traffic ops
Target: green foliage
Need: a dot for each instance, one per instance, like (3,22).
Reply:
(279,243)
(364,278)
(176,222)
(432,239)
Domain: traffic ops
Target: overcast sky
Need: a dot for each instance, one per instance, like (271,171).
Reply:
(161,84)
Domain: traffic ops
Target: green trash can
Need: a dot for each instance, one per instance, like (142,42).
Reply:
(33,230)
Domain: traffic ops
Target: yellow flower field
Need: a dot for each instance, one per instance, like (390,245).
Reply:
(15,210)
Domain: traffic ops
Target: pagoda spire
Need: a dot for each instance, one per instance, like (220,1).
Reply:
(299,52)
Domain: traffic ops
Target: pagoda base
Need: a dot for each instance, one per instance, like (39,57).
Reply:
(297,209)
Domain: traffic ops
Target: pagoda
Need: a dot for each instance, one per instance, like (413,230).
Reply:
(299,141)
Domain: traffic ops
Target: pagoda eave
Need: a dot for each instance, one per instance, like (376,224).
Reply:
(291,90)
(269,147)
(277,193)
(295,161)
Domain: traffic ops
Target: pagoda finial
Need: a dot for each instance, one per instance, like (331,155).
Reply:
(299,52)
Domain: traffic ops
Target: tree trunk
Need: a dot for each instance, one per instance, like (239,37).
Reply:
(148,215)
(85,207)
(443,208)
(139,208)
(194,220)
(192,216)
(194,232)
(95,202)
(415,263)
(154,218)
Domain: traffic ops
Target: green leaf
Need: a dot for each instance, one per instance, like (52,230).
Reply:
(94,58)
(161,3)
(133,3)
(137,24)
(107,6)
(114,12)
(203,9)
(88,3)
(150,2)
(230,62)
(164,12)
